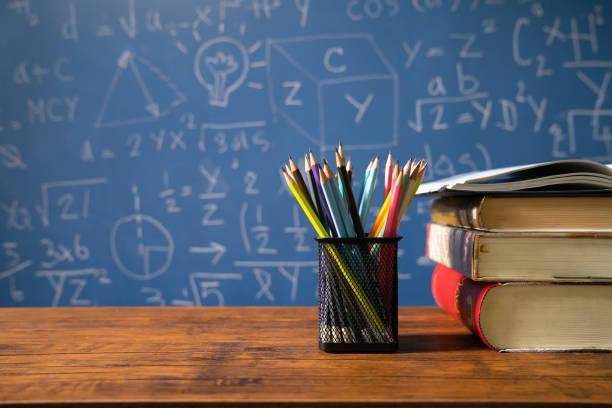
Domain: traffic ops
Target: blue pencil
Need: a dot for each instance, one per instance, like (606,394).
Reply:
(332,205)
(363,182)
(340,202)
(369,186)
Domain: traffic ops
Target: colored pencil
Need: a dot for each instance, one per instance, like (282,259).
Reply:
(369,185)
(349,171)
(366,178)
(342,204)
(314,190)
(349,230)
(341,150)
(297,176)
(388,175)
(328,201)
(316,173)
(349,197)
(308,210)
(407,174)
(379,222)
(334,210)
(343,193)
(396,193)
(337,315)
(416,177)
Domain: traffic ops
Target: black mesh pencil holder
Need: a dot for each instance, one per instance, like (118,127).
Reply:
(358,295)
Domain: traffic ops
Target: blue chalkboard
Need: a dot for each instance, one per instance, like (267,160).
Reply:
(141,141)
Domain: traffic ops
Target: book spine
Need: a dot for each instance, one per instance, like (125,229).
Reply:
(469,300)
(452,247)
(460,212)
(460,297)
(445,284)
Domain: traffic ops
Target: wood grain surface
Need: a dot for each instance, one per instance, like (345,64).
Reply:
(269,356)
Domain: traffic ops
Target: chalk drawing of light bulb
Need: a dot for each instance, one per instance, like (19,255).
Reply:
(221,66)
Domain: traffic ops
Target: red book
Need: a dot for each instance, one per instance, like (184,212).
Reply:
(460,297)
(529,316)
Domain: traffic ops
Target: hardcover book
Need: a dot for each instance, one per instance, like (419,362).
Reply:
(528,316)
(526,213)
(522,256)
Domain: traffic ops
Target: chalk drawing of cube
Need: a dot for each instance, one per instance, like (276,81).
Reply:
(333,88)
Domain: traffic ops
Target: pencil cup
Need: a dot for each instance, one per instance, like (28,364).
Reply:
(358,295)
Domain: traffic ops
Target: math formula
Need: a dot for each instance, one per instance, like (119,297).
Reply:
(141,141)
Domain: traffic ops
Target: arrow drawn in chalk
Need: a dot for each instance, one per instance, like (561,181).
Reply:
(214,247)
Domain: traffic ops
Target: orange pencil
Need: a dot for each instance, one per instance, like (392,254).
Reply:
(396,194)
(379,222)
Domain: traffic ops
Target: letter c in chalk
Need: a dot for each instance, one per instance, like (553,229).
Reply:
(336,69)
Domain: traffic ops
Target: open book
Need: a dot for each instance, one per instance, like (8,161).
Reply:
(555,176)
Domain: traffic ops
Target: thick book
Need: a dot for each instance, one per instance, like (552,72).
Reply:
(528,316)
(557,176)
(522,256)
(528,213)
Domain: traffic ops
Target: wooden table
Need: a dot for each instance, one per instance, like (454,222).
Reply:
(270,357)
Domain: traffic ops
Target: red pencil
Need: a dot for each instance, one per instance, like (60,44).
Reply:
(396,194)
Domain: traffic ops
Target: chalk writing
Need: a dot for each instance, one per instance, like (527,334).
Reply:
(141,141)
(73,282)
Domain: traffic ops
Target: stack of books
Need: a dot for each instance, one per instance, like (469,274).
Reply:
(524,254)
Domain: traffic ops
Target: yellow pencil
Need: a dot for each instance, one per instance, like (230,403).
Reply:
(322,233)
(310,214)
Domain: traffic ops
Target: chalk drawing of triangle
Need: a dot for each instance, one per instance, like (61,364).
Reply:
(138,92)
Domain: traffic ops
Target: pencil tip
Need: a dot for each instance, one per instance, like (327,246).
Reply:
(340,159)
(286,176)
